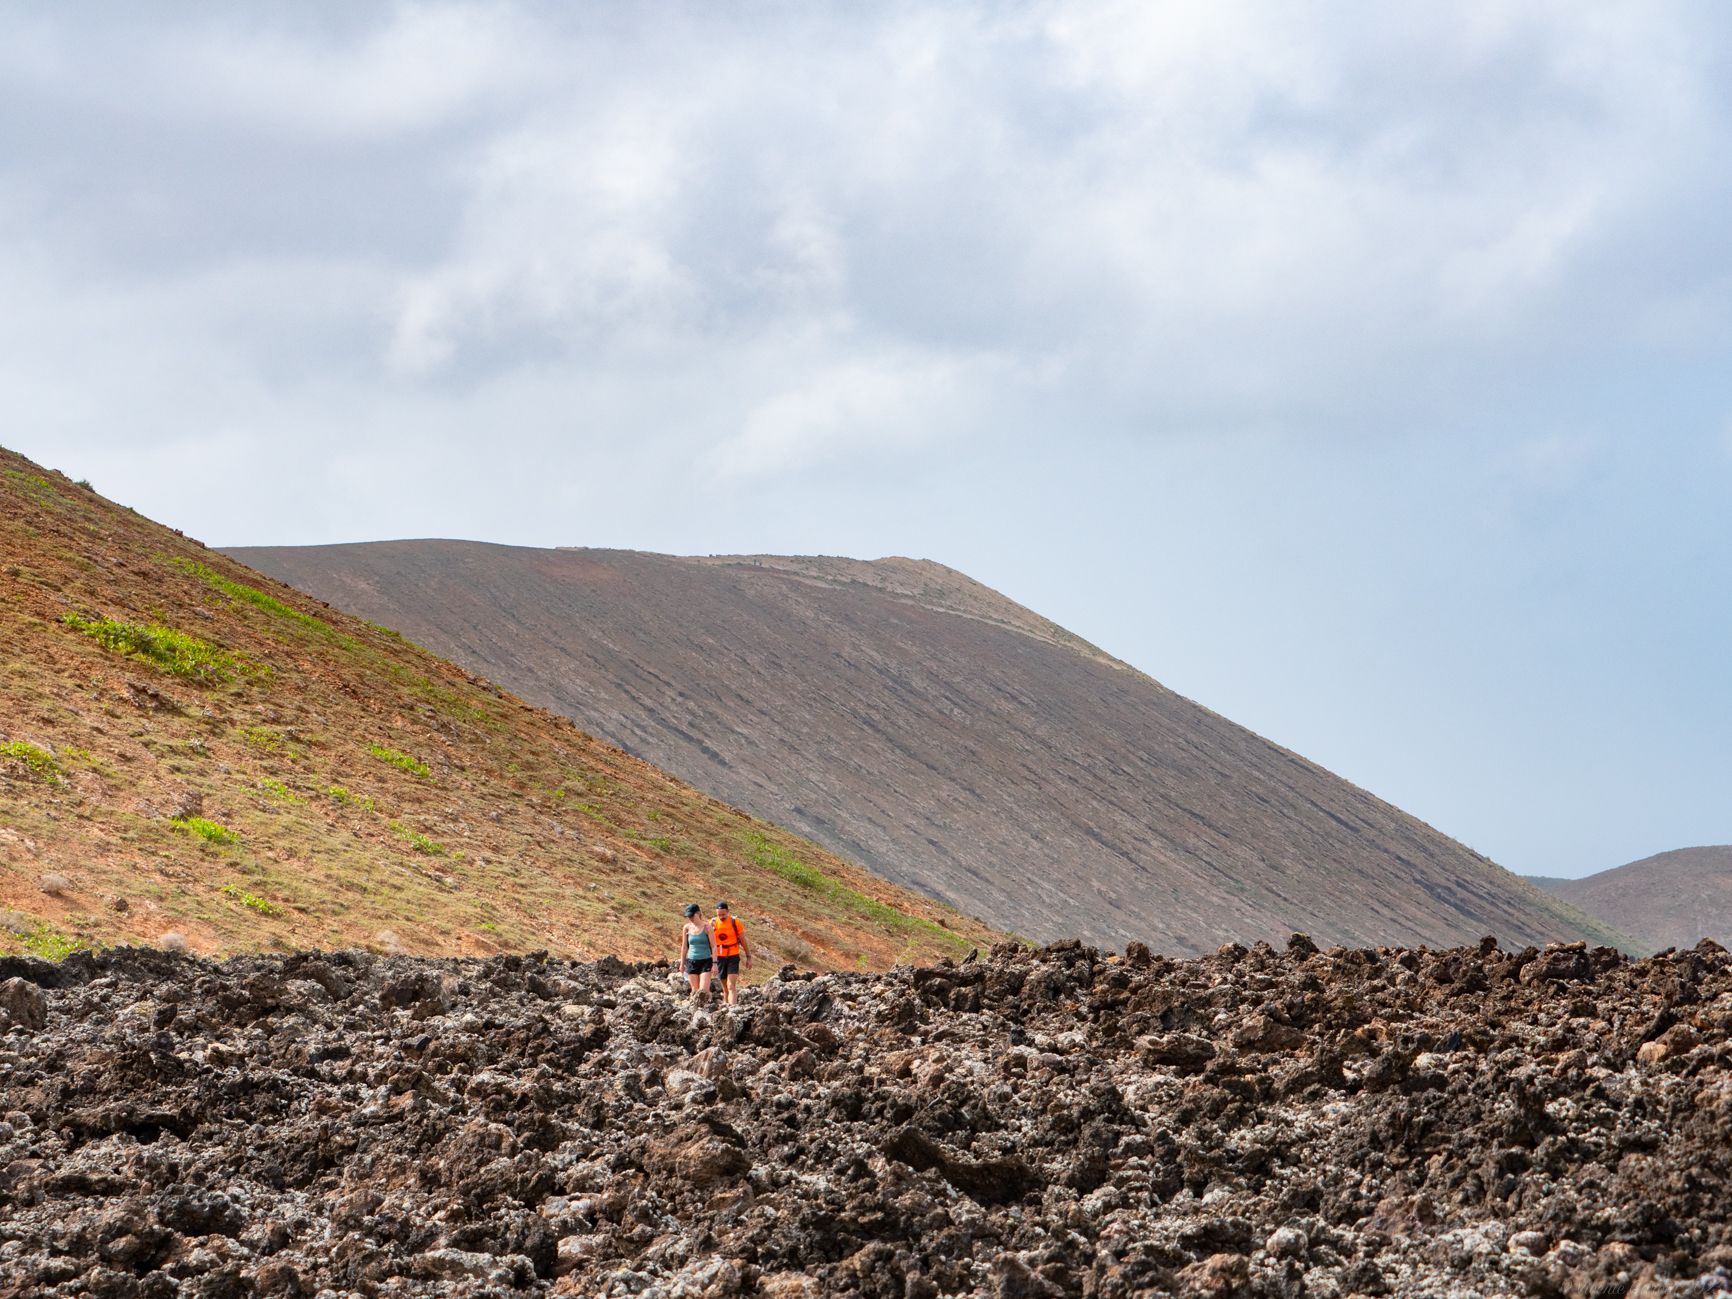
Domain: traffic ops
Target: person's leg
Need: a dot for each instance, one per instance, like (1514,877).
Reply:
(692,983)
(702,987)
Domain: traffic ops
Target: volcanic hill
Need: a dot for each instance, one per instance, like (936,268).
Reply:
(188,747)
(1672,899)
(918,722)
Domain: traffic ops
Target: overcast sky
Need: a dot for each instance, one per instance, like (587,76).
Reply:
(1361,371)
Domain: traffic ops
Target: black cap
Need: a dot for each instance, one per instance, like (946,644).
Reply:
(722,905)
(692,908)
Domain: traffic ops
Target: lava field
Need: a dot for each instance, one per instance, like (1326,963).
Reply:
(1063,1121)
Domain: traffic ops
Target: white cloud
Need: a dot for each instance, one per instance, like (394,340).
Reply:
(762,245)
(892,404)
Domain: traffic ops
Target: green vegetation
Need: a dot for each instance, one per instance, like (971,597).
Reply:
(264,906)
(340,795)
(209,831)
(40,762)
(419,842)
(43,941)
(776,859)
(661,842)
(397,758)
(262,738)
(34,486)
(779,861)
(165,647)
(248,594)
(279,791)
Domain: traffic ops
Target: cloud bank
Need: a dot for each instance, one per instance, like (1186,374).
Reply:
(767,240)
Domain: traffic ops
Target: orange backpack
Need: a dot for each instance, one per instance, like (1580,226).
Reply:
(728,937)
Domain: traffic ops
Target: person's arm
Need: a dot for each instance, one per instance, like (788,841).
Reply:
(745,948)
(680,960)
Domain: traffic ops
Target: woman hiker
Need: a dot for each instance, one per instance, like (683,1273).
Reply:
(695,950)
(730,946)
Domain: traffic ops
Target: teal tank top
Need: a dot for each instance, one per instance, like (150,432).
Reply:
(698,945)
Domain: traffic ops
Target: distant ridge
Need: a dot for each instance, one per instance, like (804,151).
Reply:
(1672,899)
(912,719)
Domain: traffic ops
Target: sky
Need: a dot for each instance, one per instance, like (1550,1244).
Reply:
(1361,371)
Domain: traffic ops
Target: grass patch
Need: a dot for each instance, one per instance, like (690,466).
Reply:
(44,941)
(252,901)
(35,486)
(249,594)
(419,842)
(779,861)
(338,794)
(262,738)
(39,762)
(397,758)
(279,791)
(776,859)
(209,831)
(164,647)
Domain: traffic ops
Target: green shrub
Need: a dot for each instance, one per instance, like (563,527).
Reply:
(44,941)
(165,647)
(420,842)
(779,861)
(248,594)
(209,831)
(279,791)
(264,906)
(39,762)
(340,795)
(397,758)
(34,486)
(262,738)
(776,859)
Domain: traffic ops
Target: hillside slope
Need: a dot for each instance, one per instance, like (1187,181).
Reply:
(188,746)
(1672,899)
(918,722)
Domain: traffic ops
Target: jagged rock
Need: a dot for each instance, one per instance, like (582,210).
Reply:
(22,1004)
(1182,1050)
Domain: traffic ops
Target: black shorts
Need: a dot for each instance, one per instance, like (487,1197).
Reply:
(726,965)
(696,966)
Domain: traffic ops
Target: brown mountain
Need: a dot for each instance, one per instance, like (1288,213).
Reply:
(918,722)
(1672,899)
(187,746)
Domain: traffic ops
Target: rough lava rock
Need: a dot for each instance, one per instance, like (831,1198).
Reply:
(1061,1122)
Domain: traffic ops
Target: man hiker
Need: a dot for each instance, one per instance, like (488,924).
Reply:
(730,946)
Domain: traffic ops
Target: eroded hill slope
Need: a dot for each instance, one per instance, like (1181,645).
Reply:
(918,722)
(187,746)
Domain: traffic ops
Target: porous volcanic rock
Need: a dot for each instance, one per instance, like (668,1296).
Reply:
(1032,1123)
